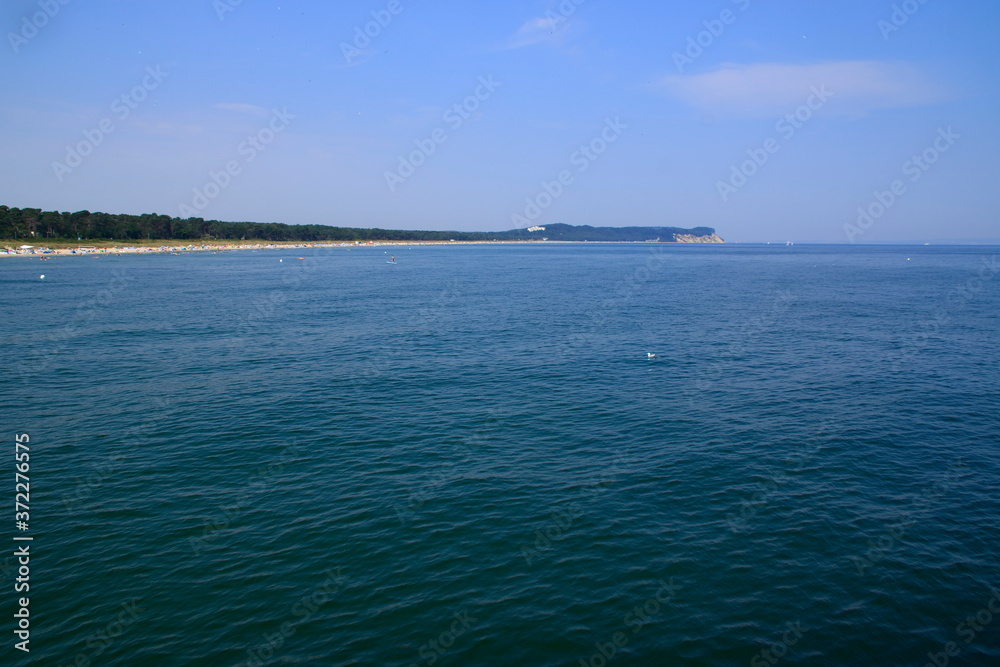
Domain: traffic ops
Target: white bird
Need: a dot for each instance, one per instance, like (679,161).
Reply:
(650,355)
(41,277)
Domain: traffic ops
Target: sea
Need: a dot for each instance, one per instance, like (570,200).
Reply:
(534,454)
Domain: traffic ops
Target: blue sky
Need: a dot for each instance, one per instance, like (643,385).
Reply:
(766,120)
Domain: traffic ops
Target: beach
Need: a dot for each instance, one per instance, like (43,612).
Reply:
(47,251)
(64,249)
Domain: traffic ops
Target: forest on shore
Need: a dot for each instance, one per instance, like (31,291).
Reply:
(33,224)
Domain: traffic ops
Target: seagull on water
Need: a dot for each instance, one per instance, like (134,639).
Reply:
(650,355)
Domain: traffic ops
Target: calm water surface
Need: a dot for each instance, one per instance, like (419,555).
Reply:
(468,458)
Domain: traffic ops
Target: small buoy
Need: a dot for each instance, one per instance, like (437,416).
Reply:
(41,277)
(281,260)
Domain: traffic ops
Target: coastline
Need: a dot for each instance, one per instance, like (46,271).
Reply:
(48,251)
(77,249)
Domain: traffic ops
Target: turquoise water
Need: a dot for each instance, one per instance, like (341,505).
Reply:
(468,458)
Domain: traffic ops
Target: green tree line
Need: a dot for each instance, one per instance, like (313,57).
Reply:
(33,224)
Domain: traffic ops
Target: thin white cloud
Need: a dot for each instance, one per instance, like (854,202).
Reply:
(249,109)
(351,58)
(856,87)
(534,31)
(541,30)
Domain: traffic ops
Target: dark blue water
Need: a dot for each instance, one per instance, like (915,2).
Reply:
(468,458)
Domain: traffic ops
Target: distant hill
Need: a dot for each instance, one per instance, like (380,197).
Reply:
(563,232)
(36,224)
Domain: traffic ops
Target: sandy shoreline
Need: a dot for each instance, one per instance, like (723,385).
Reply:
(65,249)
(45,251)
